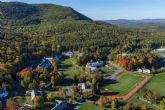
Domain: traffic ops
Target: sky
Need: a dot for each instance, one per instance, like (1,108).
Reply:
(112,9)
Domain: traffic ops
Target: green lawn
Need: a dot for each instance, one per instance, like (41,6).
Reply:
(20,100)
(157,84)
(124,84)
(89,106)
(106,71)
(70,69)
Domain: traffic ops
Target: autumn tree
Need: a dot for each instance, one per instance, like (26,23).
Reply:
(144,107)
(11,105)
(38,101)
(102,101)
(162,104)
(62,93)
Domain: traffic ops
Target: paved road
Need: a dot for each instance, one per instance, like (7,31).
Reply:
(115,73)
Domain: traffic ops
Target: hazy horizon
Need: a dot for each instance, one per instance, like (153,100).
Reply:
(111,9)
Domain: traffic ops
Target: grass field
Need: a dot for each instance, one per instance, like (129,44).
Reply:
(70,69)
(89,106)
(124,84)
(106,71)
(157,84)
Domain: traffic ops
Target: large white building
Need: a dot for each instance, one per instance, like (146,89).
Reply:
(93,66)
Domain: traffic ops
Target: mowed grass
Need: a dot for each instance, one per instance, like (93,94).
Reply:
(157,84)
(70,69)
(125,83)
(106,70)
(90,106)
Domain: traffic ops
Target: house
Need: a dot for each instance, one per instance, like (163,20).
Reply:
(34,93)
(160,50)
(60,105)
(3,94)
(68,54)
(50,59)
(95,64)
(73,53)
(92,67)
(46,63)
(84,88)
(77,53)
(58,57)
(28,92)
(45,85)
(143,70)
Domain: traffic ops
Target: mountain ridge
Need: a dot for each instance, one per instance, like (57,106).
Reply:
(37,13)
(125,22)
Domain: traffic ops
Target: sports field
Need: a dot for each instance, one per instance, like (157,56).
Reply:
(157,84)
(89,106)
(124,84)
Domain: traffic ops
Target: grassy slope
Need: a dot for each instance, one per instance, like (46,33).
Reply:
(125,84)
(89,106)
(157,84)
(70,69)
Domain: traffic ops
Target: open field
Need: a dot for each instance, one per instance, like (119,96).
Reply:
(157,84)
(124,84)
(106,70)
(89,106)
(70,69)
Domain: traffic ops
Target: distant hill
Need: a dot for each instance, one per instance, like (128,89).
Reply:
(145,25)
(125,22)
(36,13)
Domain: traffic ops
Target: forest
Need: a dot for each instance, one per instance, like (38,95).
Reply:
(45,29)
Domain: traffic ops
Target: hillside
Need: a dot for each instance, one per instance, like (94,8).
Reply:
(44,27)
(125,22)
(146,25)
(22,13)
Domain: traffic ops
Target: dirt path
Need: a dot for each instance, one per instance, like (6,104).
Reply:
(133,91)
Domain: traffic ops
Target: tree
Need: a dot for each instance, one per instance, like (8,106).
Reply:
(62,93)
(114,104)
(49,97)
(11,105)
(102,101)
(144,107)
(127,107)
(162,104)
(54,79)
(38,101)
(33,85)
(122,62)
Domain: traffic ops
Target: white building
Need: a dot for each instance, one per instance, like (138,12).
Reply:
(73,53)
(50,59)
(34,93)
(143,70)
(160,50)
(93,66)
(84,88)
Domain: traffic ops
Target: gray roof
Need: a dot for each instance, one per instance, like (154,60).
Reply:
(60,105)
